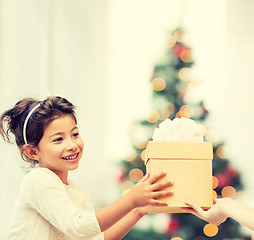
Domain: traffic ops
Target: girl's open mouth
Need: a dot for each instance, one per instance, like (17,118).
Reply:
(71,157)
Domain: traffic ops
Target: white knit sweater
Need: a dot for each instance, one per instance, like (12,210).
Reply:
(47,209)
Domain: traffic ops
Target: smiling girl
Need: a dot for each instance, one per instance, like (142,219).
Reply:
(49,205)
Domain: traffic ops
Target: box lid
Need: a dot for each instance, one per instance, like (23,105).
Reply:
(179,150)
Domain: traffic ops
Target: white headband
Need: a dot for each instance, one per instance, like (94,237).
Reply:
(26,121)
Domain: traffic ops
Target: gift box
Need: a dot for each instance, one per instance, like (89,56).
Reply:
(189,165)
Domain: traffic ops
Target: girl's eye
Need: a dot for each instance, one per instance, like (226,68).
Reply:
(58,139)
(75,134)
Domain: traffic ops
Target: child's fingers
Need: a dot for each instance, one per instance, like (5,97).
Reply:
(152,179)
(161,185)
(155,202)
(162,194)
(143,179)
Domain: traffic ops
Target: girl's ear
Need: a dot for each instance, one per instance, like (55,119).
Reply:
(32,153)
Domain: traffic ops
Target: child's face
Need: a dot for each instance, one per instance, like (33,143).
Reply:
(61,146)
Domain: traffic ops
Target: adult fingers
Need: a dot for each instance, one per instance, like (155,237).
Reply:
(189,210)
(196,208)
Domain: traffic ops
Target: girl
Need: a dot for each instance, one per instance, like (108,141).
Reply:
(223,209)
(49,205)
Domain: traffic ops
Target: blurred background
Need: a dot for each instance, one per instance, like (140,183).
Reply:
(101,56)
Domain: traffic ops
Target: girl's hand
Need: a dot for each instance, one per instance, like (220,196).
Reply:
(148,190)
(142,211)
(214,215)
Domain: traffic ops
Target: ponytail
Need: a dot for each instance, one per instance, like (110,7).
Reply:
(27,112)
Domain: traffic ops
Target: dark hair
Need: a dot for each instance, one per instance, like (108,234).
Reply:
(12,120)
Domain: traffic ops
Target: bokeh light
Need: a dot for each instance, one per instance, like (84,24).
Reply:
(165,114)
(171,107)
(215,195)
(154,117)
(127,185)
(165,108)
(201,129)
(228,192)
(137,163)
(185,111)
(143,155)
(215,182)
(158,84)
(220,152)
(182,114)
(192,84)
(179,35)
(176,238)
(185,74)
(186,56)
(132,156)
(210,230)
(212,135)
(171,42)
(135,174)
(141,145)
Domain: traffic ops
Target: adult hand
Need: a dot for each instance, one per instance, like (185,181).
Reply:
(214,215)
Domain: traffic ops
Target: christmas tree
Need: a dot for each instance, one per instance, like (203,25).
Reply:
(170,82)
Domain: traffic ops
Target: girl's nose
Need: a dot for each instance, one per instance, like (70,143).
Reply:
(72,146)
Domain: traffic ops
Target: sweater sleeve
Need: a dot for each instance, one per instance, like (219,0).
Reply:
(44,192)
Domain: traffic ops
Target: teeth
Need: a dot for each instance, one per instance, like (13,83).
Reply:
(70,158)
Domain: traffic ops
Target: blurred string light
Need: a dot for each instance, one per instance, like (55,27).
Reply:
(192,83)
(179,35)
(171,42)
(201,129)
(185,74)
(215,195)
(228,192)
(220,152)
(215,185)
(141,145)
(132,156)
(210,230)
(186,56)
(137,162)
(165,114)
(158,84)
(127,185)
(185,111)
(135,174)
(212,135)
(215,182)
(166,110)
(143,154)
(154,117)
